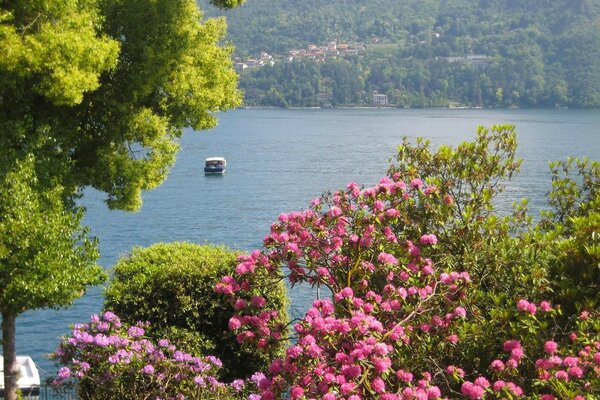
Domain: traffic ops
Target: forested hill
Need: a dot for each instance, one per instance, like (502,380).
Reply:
(538,52)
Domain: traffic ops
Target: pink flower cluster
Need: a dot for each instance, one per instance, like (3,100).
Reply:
(577,370)
(387,298)
(105,356)
(385,293)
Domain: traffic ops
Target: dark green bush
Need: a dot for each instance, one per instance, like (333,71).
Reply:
(171,286)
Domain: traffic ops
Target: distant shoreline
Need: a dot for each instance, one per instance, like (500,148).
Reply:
(408,108)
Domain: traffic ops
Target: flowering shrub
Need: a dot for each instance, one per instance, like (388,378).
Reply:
(566,366)
(109,360)
(428,288)
(387,297)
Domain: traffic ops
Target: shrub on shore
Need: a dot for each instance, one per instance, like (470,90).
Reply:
(171,285)
(109,360)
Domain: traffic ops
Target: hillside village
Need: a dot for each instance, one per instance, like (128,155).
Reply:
(312,52)
(334,49)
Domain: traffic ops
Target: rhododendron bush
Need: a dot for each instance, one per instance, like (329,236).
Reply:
(387,295)
(424,278)
(390,311)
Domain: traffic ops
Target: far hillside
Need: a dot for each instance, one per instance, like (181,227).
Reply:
(420,53)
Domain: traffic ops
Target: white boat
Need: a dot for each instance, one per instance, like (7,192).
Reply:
(29,377)
(215,166)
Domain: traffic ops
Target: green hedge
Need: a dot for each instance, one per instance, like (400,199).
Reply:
(171,286)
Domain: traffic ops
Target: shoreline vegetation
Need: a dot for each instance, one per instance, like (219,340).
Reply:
(364,107)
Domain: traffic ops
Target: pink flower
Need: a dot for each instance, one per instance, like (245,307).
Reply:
(481,381)
(334,211)
(387,258)
(561,375)
(517,353)
(497,365)
(575,372)
(404,376)
(429,239)
(148,369)
(451,370)
(64,373)
(135,331)
(258,301)
(234,323)
(433,392)
(570,361)
(545,306)
(550,347)
(296,392)
(378,385)
(524,305)
(460,312)
(509,345)
(474,392)
(452,339)
(416,183)
(498,385)
(382,364)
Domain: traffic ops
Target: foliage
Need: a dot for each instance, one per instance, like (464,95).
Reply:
(110,360)
(559,365)
(387,294)
(101,90)
(574,218)
(408,319)
(46,257)
(171,286)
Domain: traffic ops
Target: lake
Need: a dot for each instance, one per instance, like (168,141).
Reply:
(278,160)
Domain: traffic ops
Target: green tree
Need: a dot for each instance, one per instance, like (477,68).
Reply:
(46,257)
(99,91)
(103,89)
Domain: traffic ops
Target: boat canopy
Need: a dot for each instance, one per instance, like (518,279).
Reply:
(215,160)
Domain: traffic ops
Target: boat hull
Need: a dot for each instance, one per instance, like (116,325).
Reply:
(214,171)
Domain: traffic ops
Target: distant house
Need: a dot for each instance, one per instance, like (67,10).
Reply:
(239,67)
(323,97)
(252,63)
(477,60)
(380,99)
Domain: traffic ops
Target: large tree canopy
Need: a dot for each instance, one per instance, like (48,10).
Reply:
(92,93)
(101,90)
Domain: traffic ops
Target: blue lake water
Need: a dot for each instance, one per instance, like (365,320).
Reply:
(278,160)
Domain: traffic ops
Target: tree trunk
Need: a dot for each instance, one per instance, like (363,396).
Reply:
(9,351)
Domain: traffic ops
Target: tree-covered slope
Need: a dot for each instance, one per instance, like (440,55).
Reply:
(540,52)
